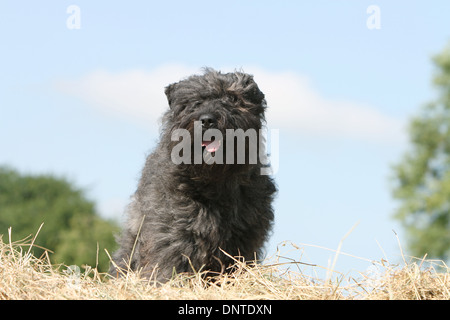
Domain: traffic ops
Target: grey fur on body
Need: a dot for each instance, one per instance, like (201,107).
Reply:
(181,216)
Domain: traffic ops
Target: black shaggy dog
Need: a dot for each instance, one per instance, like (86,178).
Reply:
(183,215)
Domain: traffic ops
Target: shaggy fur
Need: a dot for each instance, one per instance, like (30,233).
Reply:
(181,216)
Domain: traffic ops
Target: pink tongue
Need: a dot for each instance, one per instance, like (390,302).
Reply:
(211,146)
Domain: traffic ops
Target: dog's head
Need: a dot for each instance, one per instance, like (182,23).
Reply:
(230,100)
(212,105)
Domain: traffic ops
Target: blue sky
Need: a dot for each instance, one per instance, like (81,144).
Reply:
(85,103)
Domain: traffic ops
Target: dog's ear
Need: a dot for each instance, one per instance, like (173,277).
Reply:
(254,95)
(248,89)
(169,91)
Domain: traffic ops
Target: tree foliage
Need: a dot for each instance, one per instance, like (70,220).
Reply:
(72,228)
(422,178)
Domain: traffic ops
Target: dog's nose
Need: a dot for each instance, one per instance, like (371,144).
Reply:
(208,120)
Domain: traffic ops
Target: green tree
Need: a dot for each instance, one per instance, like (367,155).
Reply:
(72,228)
(422,178)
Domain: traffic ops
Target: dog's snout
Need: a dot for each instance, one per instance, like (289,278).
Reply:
(208,120)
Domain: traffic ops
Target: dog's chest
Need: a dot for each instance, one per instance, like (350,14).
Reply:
(211,221)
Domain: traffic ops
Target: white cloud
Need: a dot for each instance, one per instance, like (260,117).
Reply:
(135,94)
(294,105)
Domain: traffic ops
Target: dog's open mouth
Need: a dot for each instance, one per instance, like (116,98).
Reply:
(211,146)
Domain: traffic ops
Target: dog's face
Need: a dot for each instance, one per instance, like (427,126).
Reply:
(215,101)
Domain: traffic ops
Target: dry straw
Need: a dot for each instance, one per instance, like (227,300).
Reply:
(24,276)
